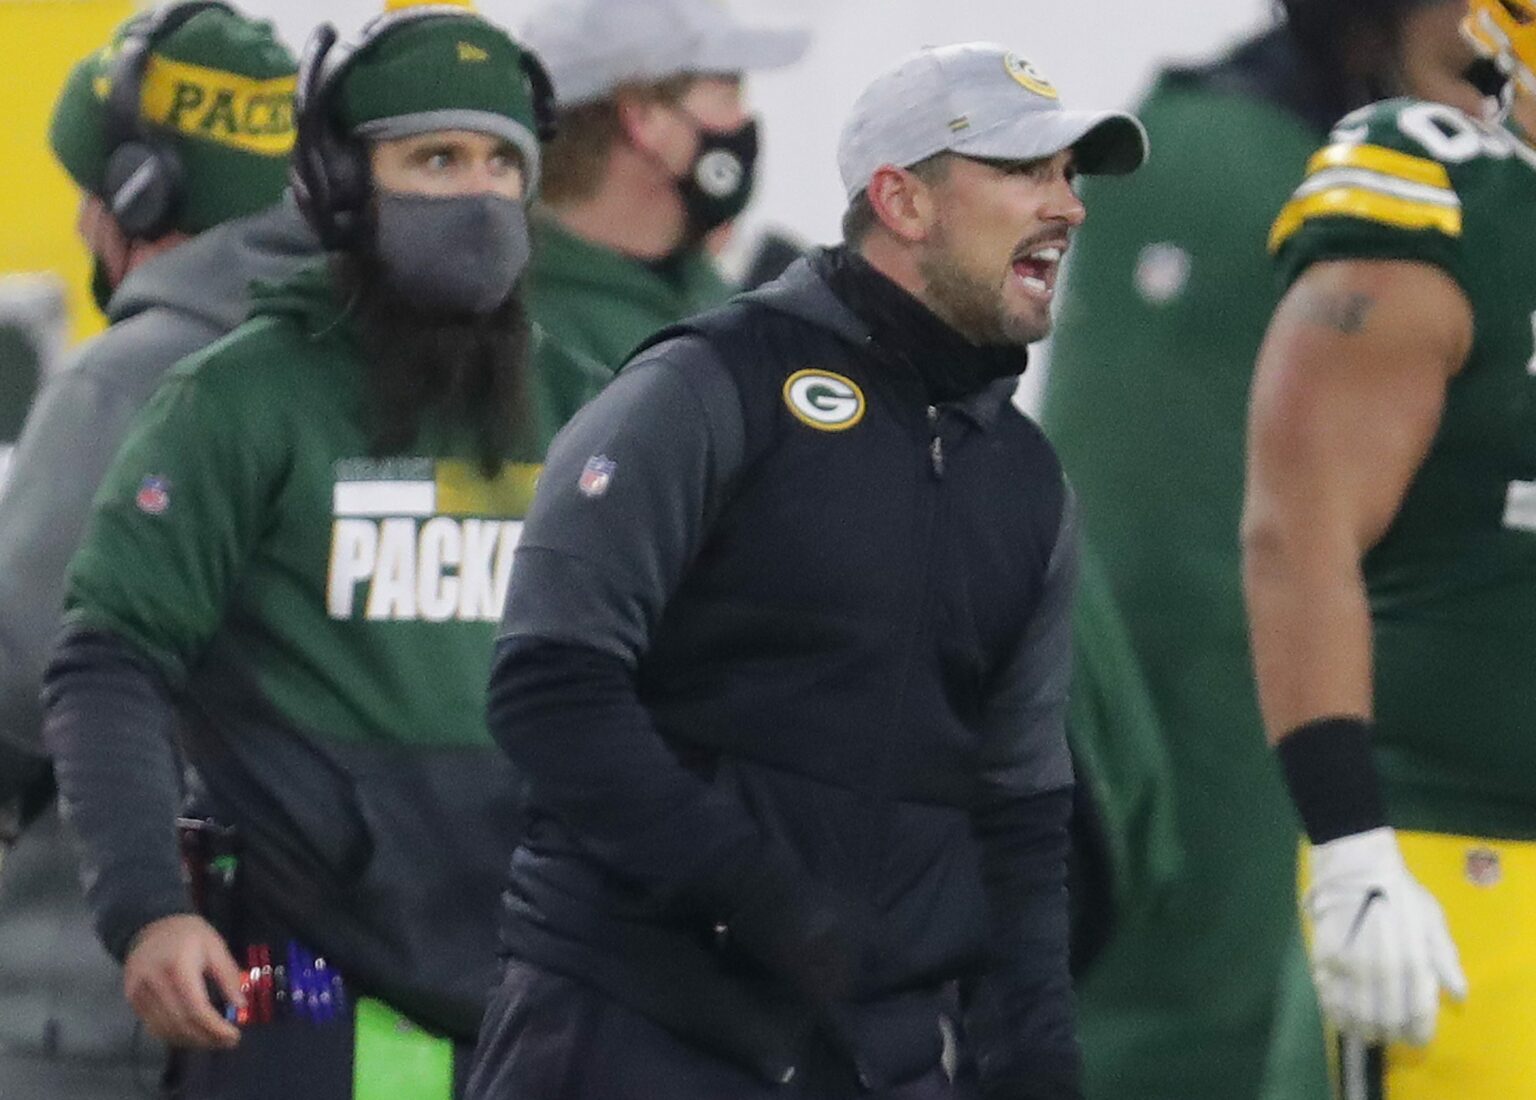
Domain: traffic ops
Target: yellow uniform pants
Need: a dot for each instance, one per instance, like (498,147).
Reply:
(1484,1049)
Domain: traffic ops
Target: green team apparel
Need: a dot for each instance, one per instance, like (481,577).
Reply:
(1129,857)
(344,585)
(600,305)
(325,619)
(1167,297)
(1453,582)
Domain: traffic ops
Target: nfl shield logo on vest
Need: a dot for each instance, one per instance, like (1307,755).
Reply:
(596,475)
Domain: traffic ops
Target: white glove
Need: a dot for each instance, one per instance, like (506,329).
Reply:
(1381,952)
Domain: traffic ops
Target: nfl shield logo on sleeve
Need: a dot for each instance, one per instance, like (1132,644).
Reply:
(154,495)
(596,476)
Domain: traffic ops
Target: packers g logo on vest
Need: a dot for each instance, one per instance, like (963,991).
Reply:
(825,401)
(1030,77)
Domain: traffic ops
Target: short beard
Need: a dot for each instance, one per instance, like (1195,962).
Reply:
(472,371)
(971,306)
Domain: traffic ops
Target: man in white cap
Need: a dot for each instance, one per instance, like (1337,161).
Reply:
(655,151)
(785,653)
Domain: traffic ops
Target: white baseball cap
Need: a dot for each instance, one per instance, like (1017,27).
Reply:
(982,100)
(591,47)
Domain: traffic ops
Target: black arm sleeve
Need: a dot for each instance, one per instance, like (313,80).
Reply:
(109,722)
(1020,1019)
(593,573)
(569,717)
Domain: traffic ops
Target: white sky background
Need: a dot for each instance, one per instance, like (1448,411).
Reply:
(1099,53)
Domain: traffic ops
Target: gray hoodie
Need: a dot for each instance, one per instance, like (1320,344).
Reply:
(60,994)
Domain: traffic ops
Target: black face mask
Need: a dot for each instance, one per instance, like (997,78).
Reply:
(719,183)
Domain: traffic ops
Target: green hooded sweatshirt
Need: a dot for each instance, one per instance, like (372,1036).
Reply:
(324,620)
(600,304)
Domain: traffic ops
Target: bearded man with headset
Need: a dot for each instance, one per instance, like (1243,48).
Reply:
(295,566)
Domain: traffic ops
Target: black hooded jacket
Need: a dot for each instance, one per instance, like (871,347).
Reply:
(784,663)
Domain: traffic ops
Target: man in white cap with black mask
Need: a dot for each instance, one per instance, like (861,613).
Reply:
(655,151)
(785,654)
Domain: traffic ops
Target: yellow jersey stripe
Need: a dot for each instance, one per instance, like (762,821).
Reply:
(1330,179)
(1377,158)
(1355,202)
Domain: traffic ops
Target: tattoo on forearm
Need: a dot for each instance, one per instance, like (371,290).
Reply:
(1344,313)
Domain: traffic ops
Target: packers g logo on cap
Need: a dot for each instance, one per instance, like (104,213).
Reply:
(1030,77)
(825,401)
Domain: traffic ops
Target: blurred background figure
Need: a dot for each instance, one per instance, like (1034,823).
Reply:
(179,214)
(655,156)
(33,337)
(1167,296)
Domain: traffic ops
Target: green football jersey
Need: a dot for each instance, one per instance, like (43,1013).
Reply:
(1453,582)
(248,542)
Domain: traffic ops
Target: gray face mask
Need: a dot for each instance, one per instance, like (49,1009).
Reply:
(451,254)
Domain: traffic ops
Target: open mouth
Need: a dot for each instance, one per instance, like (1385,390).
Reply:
(1036,269)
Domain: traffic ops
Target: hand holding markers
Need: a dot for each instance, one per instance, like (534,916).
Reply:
(166,977)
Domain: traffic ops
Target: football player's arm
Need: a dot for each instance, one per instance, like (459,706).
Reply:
(1347,398)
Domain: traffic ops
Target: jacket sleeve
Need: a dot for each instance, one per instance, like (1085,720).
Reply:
(110,726)
(65,448)
(622,508)
(185,501)
(179,511)
(625,502)
(1019,1014)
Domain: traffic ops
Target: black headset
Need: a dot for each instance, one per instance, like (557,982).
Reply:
(142,185)
(329,172)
